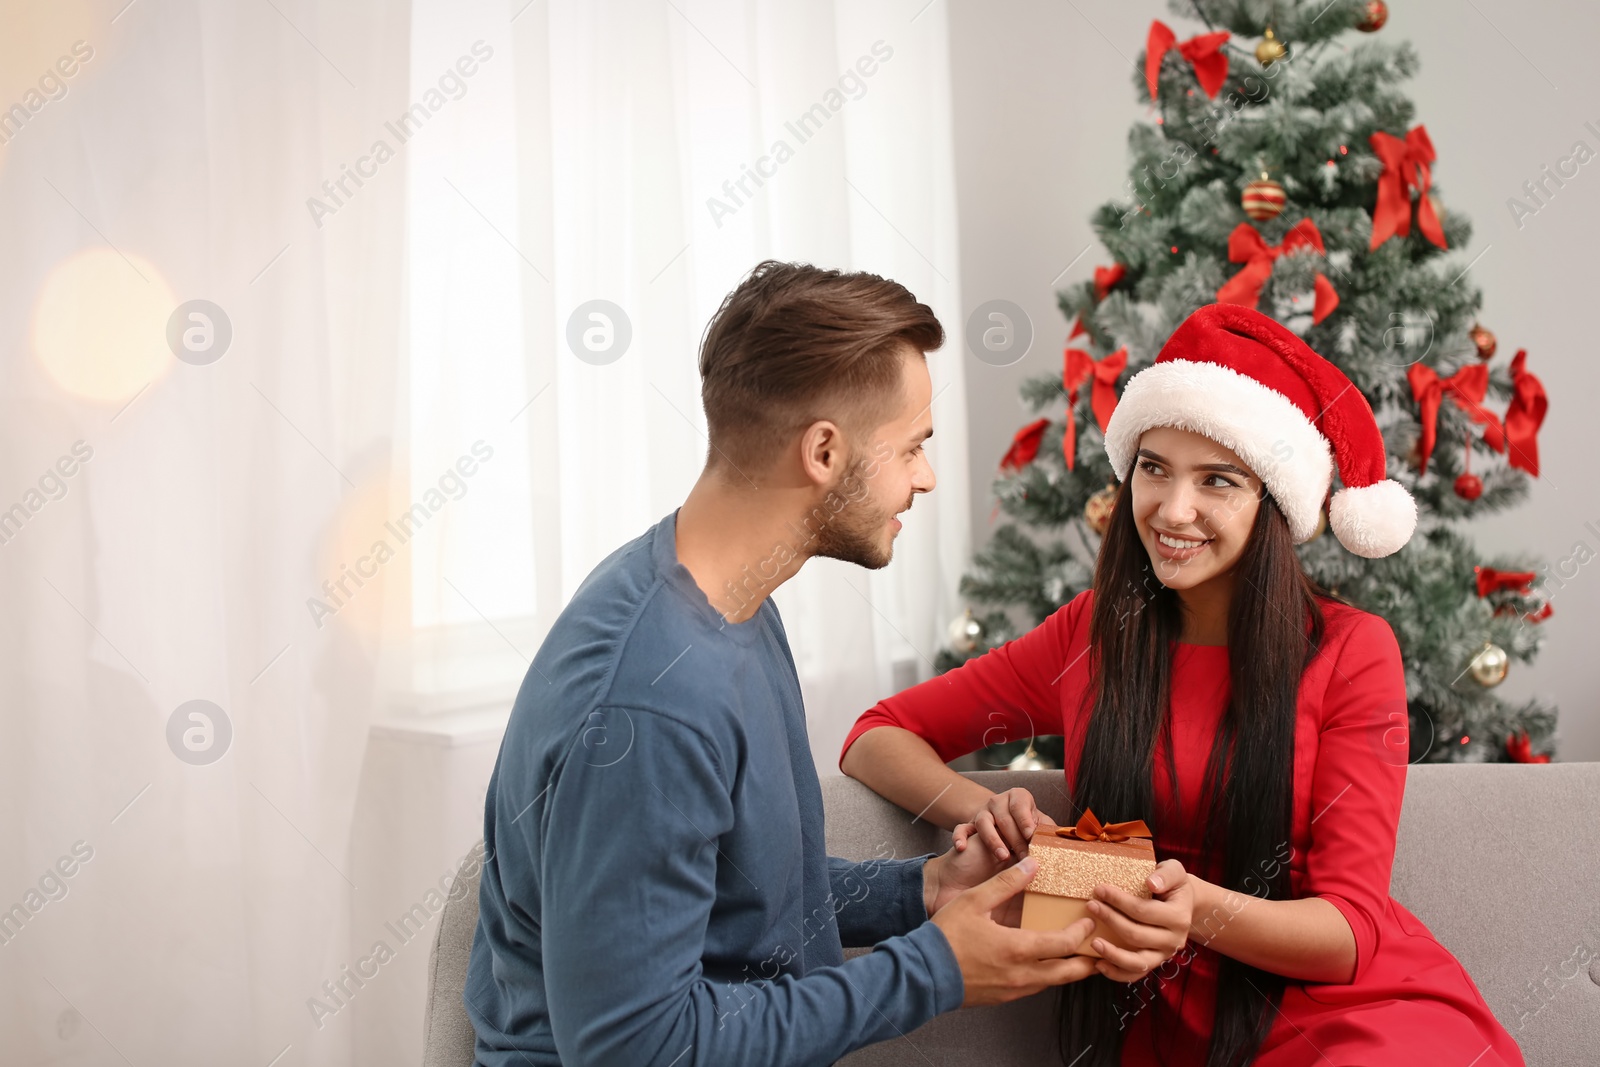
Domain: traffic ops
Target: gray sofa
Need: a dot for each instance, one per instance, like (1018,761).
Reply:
(1502,862)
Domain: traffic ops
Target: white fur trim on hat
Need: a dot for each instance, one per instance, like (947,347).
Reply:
(1263,427)
(1373,520)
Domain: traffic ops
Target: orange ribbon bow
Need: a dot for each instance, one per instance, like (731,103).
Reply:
(1089,828)
(1525,415)
(1102,397)
(1204,53)
(1405,167)
(1466,387)
(1247,246)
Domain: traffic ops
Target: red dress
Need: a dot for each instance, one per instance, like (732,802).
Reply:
(1410,1002)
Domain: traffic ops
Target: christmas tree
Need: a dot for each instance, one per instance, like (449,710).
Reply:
(1284,169)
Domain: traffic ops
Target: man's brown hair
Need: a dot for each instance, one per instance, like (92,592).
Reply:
(794,344)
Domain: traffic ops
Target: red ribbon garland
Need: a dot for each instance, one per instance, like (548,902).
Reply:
(1525,415)
(1024,446)
(1078,366)
(1247,246)
(1466,387)
(1204,53)
(1493,581)
(1405,167)
(1108,278)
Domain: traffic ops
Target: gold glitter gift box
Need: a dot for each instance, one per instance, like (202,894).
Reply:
(1073,860)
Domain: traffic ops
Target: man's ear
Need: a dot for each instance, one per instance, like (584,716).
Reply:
(822,452)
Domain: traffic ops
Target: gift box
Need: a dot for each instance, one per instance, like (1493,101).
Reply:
(1073,860)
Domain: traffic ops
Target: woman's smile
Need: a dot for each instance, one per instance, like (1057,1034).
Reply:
(1178,548)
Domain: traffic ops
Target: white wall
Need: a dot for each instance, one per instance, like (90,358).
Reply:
(1043,103)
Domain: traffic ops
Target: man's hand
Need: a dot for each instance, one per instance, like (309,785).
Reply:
(999,964)
(1153,930)
(1004,825)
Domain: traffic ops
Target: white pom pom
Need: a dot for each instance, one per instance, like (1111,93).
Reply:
(1373,520)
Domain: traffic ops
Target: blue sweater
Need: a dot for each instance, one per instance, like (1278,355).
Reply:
(656,889)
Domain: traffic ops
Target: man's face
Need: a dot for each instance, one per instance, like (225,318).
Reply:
(883,476)
(1181,487)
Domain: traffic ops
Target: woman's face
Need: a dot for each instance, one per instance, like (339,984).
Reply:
(1191,489)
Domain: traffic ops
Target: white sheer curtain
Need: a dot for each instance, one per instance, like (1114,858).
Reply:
(173,163)
(638,124)
(218,536)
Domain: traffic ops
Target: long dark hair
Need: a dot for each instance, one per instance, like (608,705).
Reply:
(1275,627)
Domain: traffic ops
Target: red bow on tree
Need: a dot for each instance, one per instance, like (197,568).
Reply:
(1108,278)
(1466,387)
(1204,53)
(1525,415)
(1024,446)
(1247,246)
(1405,167)
(1532,616)
(1520,749)
(1493,581)
(1079,365)
(1519,582)
(1077,328)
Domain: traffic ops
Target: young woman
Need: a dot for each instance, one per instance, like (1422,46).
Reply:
(1254,721)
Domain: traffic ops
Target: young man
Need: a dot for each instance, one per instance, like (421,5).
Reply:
(656,890)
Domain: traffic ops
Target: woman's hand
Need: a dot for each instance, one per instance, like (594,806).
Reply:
(1004,825)
(958,870)
(1152,930)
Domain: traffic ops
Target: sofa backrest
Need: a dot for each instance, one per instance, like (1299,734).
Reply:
(1502,862)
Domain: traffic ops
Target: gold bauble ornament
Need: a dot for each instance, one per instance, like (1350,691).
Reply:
(1322,523)
(965,634)
(1269,49)
(1488,668)
(1483,340)
(1097,512)
(1263,199)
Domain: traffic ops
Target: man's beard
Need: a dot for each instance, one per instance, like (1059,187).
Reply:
(857,534)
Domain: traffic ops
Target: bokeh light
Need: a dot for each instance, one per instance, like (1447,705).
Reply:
(100,325)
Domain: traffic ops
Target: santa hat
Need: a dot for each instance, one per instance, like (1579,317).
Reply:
(1248,383)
